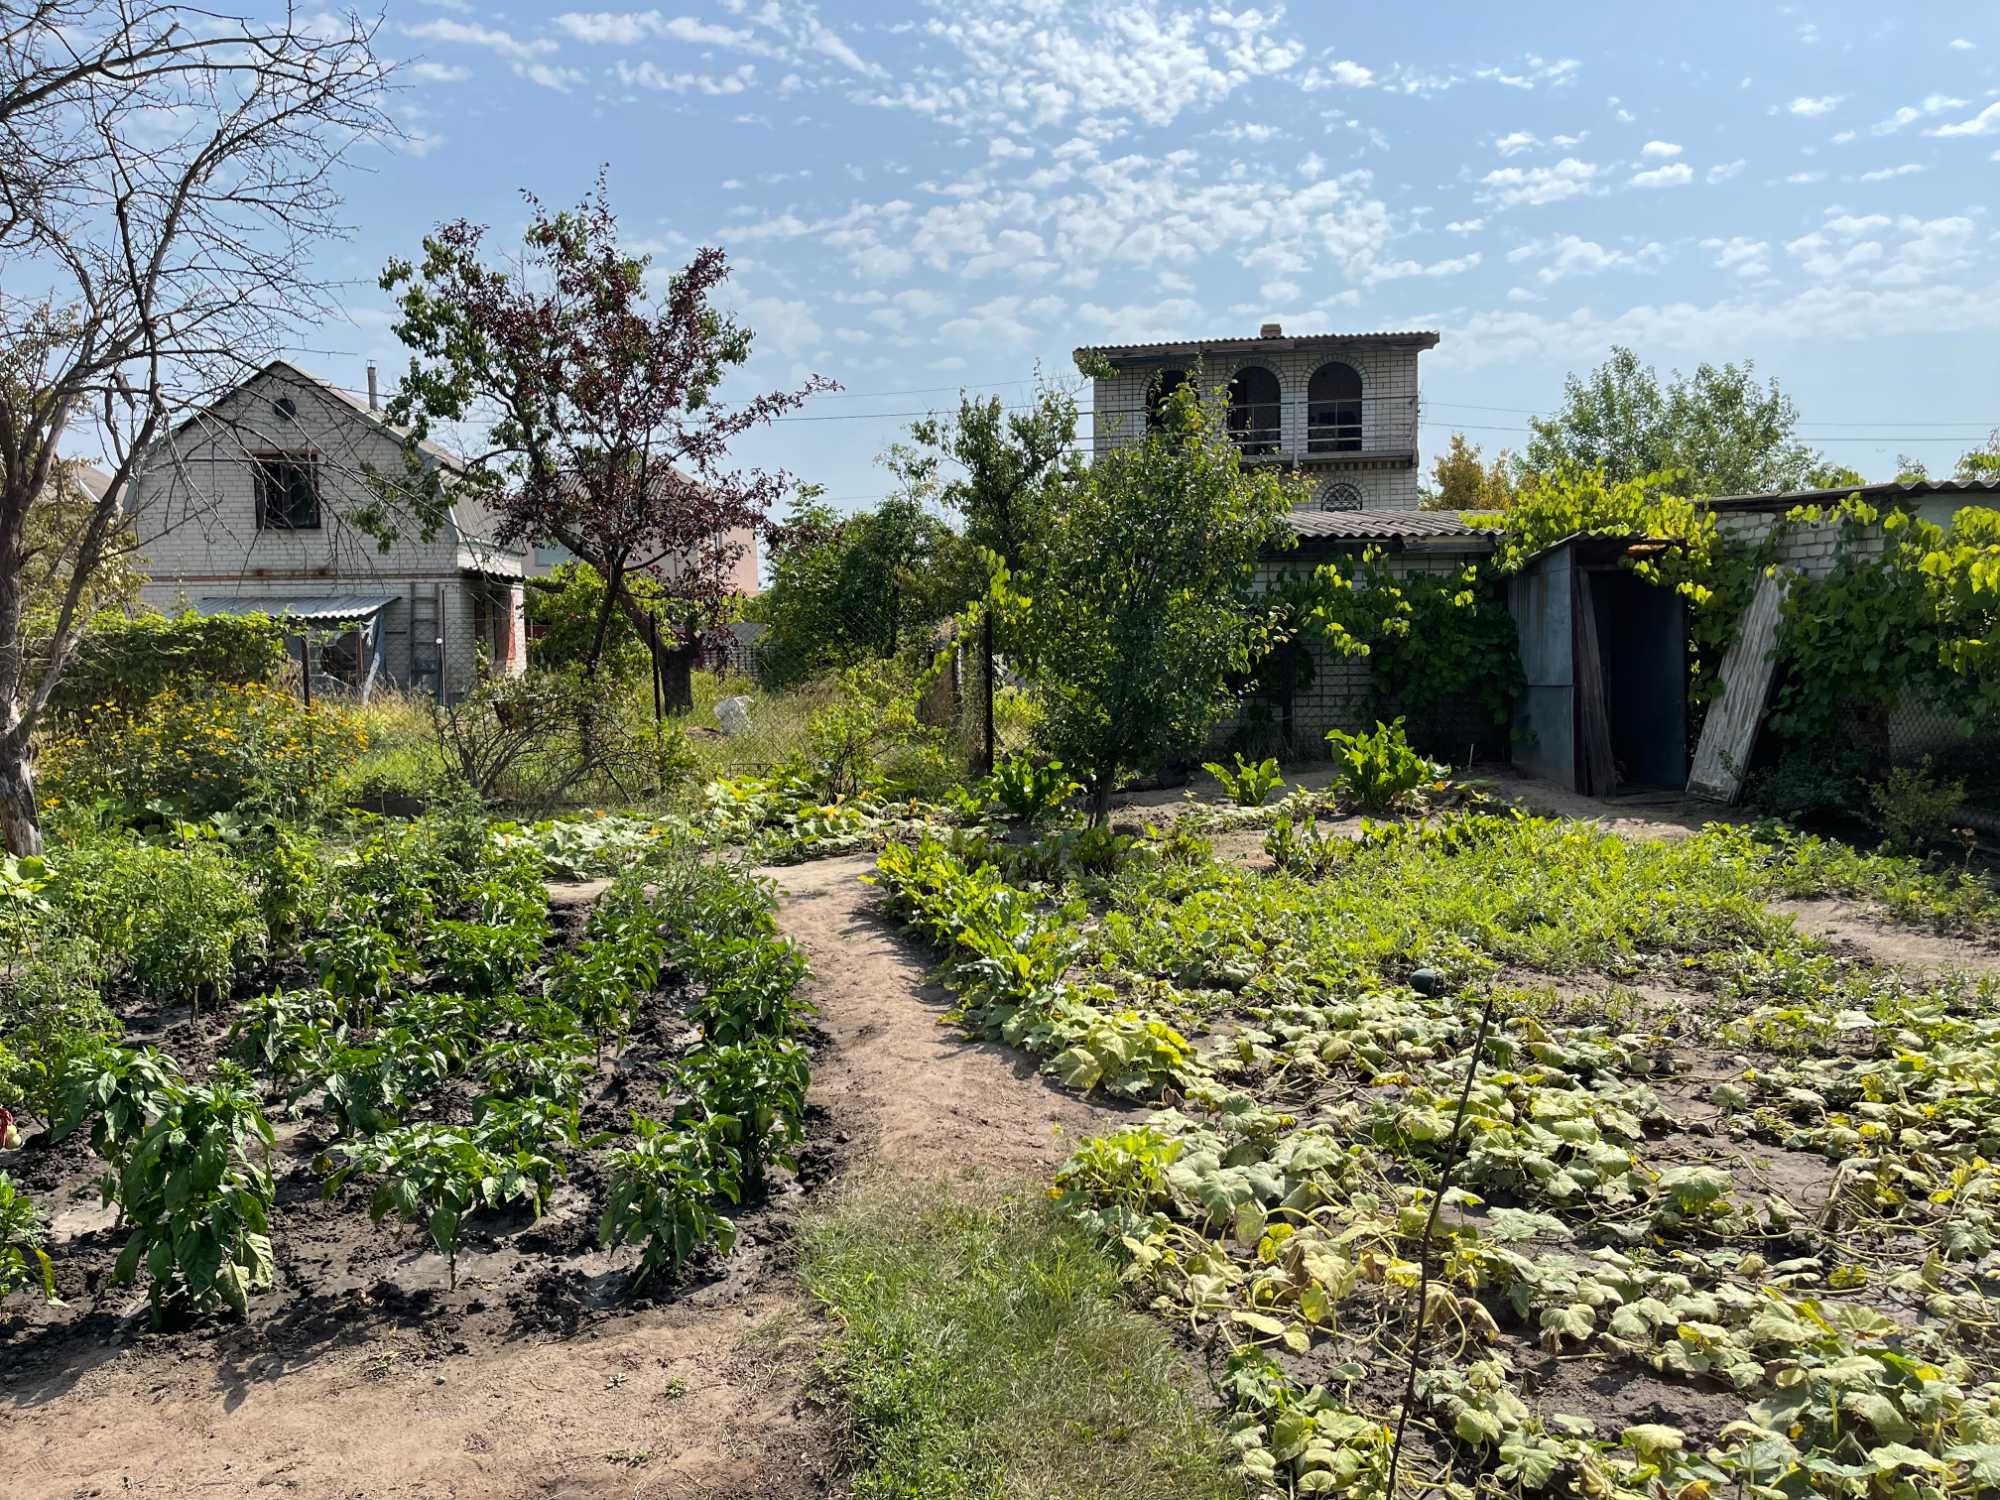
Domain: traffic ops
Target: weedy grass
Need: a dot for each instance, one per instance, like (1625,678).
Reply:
(984,1350)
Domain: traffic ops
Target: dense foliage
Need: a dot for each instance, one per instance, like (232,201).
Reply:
(1144,605)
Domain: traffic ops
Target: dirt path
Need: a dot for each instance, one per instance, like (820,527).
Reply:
(1854,929)
(917,1097)
(703,1399)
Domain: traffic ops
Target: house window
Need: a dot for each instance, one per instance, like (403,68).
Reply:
(1256,408)
(1338,494)
(287,491)
(1333,410)
(1161,392)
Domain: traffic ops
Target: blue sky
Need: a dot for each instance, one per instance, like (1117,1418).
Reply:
(922,195)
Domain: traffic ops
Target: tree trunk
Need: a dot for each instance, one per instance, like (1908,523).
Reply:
(20,822)
(676,666)
(1100,798)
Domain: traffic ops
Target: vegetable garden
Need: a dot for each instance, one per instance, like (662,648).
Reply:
(298,1039)
(1640,1190)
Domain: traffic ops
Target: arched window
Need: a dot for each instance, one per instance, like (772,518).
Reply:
(1333,410)
(1338,494)
(1256,408)
(1158,394)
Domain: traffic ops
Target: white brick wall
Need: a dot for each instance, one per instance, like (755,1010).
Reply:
(1389,388)
(194,510)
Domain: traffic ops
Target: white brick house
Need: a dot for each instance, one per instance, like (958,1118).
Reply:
(1340,408)
(244,507)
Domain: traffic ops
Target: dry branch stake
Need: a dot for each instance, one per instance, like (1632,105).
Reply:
(1430,1225)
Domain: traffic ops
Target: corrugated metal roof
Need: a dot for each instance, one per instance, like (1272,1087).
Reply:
(1916,489)
(1416,338)
(312,607)
(1383,525)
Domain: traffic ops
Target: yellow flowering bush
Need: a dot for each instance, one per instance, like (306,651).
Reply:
(203,749)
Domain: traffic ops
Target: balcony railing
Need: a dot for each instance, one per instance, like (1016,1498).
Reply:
(1258,427)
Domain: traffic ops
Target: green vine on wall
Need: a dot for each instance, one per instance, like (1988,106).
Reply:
(1911,608)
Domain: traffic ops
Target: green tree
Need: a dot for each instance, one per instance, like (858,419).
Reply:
(1143,603)
(1722,431)
(1462,480)
(849,589)
(1001,471)
(564,610)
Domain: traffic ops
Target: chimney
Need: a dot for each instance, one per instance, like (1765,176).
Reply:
(374,402)
(1271,331)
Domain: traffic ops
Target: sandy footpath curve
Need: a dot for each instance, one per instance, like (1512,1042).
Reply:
(919,1098)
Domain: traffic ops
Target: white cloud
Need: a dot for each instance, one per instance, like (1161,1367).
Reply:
(1005,148)
(1338,74)
(1843,137)
(1909,114)
(1570,255)
(1811,108)
(1465,226)
(1960,44)
(1726,170)
(421,143)
(1741,256)
(1533,186)
(1883,174)
(1659,150)
(1515,143)
(1533,70)
(548,76)
(430,72)
(471,34)
(1802,179)
(625,28)
(650,75)
(1279,291)
(784,324)
(1986,122)
(1674,174)
(1826,311)
(1023,67)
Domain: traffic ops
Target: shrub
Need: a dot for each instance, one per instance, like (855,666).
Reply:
(1916,810)
(202,750)
(1251,783)
(175,919)
(1377,771)
(124,663)
(548,734)
(51,1016)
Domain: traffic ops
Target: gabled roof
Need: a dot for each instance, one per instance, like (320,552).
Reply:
(1975,490)
(288,373)
(1260,344)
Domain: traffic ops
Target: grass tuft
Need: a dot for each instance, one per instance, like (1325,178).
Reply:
(985,1351)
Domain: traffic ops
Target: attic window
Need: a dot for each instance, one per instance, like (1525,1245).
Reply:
(287,491)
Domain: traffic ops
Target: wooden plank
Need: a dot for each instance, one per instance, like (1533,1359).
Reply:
(1600,766)
(1729,733)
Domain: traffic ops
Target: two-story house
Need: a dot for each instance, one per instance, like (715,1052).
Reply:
(1338,407)
(247,507)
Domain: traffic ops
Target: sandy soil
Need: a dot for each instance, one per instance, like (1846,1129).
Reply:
(1854,929)
(918,1096)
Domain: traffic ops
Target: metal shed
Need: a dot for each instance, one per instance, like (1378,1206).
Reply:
(1604,655)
